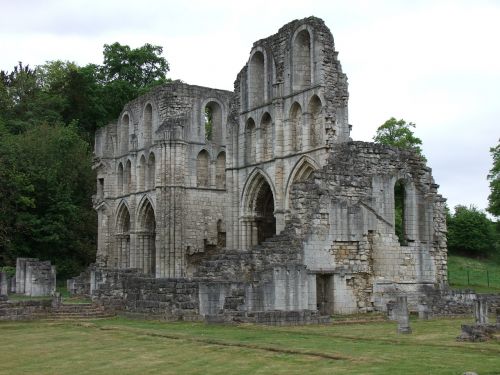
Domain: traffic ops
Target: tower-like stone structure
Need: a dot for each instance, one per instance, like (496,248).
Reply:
(262,190)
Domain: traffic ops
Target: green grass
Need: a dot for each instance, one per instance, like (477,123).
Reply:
(457,272)
(120,346)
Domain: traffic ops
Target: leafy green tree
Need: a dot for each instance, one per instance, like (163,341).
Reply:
(398,133)
(471,232)
(494,178)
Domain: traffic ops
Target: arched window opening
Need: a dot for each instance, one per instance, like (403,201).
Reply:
(266,134)
(213,122)
(148,125)
(250,145)
(399,212)
(151,173)
(256,80)
(220,171)
(221,234)
(202,170)
(120,179)
(146,240)
(316,125)
(301,61)
(123,238)
(124,133)
(127,178)
(141,174)
(295,123)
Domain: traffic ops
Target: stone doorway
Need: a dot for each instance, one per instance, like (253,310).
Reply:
(264,214)
(324,293)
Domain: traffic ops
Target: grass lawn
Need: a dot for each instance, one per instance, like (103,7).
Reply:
(478,276)
(120,346)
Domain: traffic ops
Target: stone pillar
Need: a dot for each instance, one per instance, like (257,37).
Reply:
(402,315)
(481,311)
(423,311)
(4,286)
(21,274)
(306,131)
(255,234)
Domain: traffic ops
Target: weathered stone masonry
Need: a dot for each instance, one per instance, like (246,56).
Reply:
(258,200)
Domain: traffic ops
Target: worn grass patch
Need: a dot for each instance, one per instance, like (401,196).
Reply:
(121,346)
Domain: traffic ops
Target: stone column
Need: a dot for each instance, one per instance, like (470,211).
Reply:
(4,287)
(306,131)
(402,315)
(481,311)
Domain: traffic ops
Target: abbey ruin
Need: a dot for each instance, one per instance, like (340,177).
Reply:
(218,203)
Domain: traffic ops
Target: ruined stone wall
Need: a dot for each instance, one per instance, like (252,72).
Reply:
(149,162)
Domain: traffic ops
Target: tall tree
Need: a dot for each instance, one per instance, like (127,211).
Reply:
(471,232)
(494,178)
(398,133)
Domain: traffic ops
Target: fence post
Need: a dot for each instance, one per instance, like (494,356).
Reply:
(468,278)
(488,278)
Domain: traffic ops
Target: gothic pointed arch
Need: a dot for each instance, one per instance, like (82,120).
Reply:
(256,79)
(146,237)
(220,171)
(302,170)
(124,133)
(258,205)
(119,182)
(122,240)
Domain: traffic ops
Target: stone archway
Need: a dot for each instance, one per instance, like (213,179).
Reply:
(258,221)
(122,257)
(146,239)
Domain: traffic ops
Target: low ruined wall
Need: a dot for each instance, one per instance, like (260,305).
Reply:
(459,302)
(34,277)
(25,310)
(133,294)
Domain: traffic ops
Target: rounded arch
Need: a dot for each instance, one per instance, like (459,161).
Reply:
(258,205)
(146,237)
(127,177)
(147,123)
(124,132)
(202,168)
(220,170)
(295,126)
(301,58)
(316,124)
(250,141)
(302,170)
(266,135)
(151,172)
(141,173)
(119,182)
(256,81)
(212,120)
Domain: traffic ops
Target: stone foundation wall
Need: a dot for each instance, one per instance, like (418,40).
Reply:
(24,310)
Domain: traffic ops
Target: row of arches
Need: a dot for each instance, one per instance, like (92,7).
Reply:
(260,202)
(147,129)
(143,254)
(261,68)
(204,170)
(302,131)
(145,175)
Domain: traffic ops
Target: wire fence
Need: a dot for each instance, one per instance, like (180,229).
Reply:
(473,277)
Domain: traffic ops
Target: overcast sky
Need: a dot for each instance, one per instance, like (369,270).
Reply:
(434,63)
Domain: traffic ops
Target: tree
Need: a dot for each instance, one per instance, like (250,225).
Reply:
(471,232)
(398,133)
(494,178)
